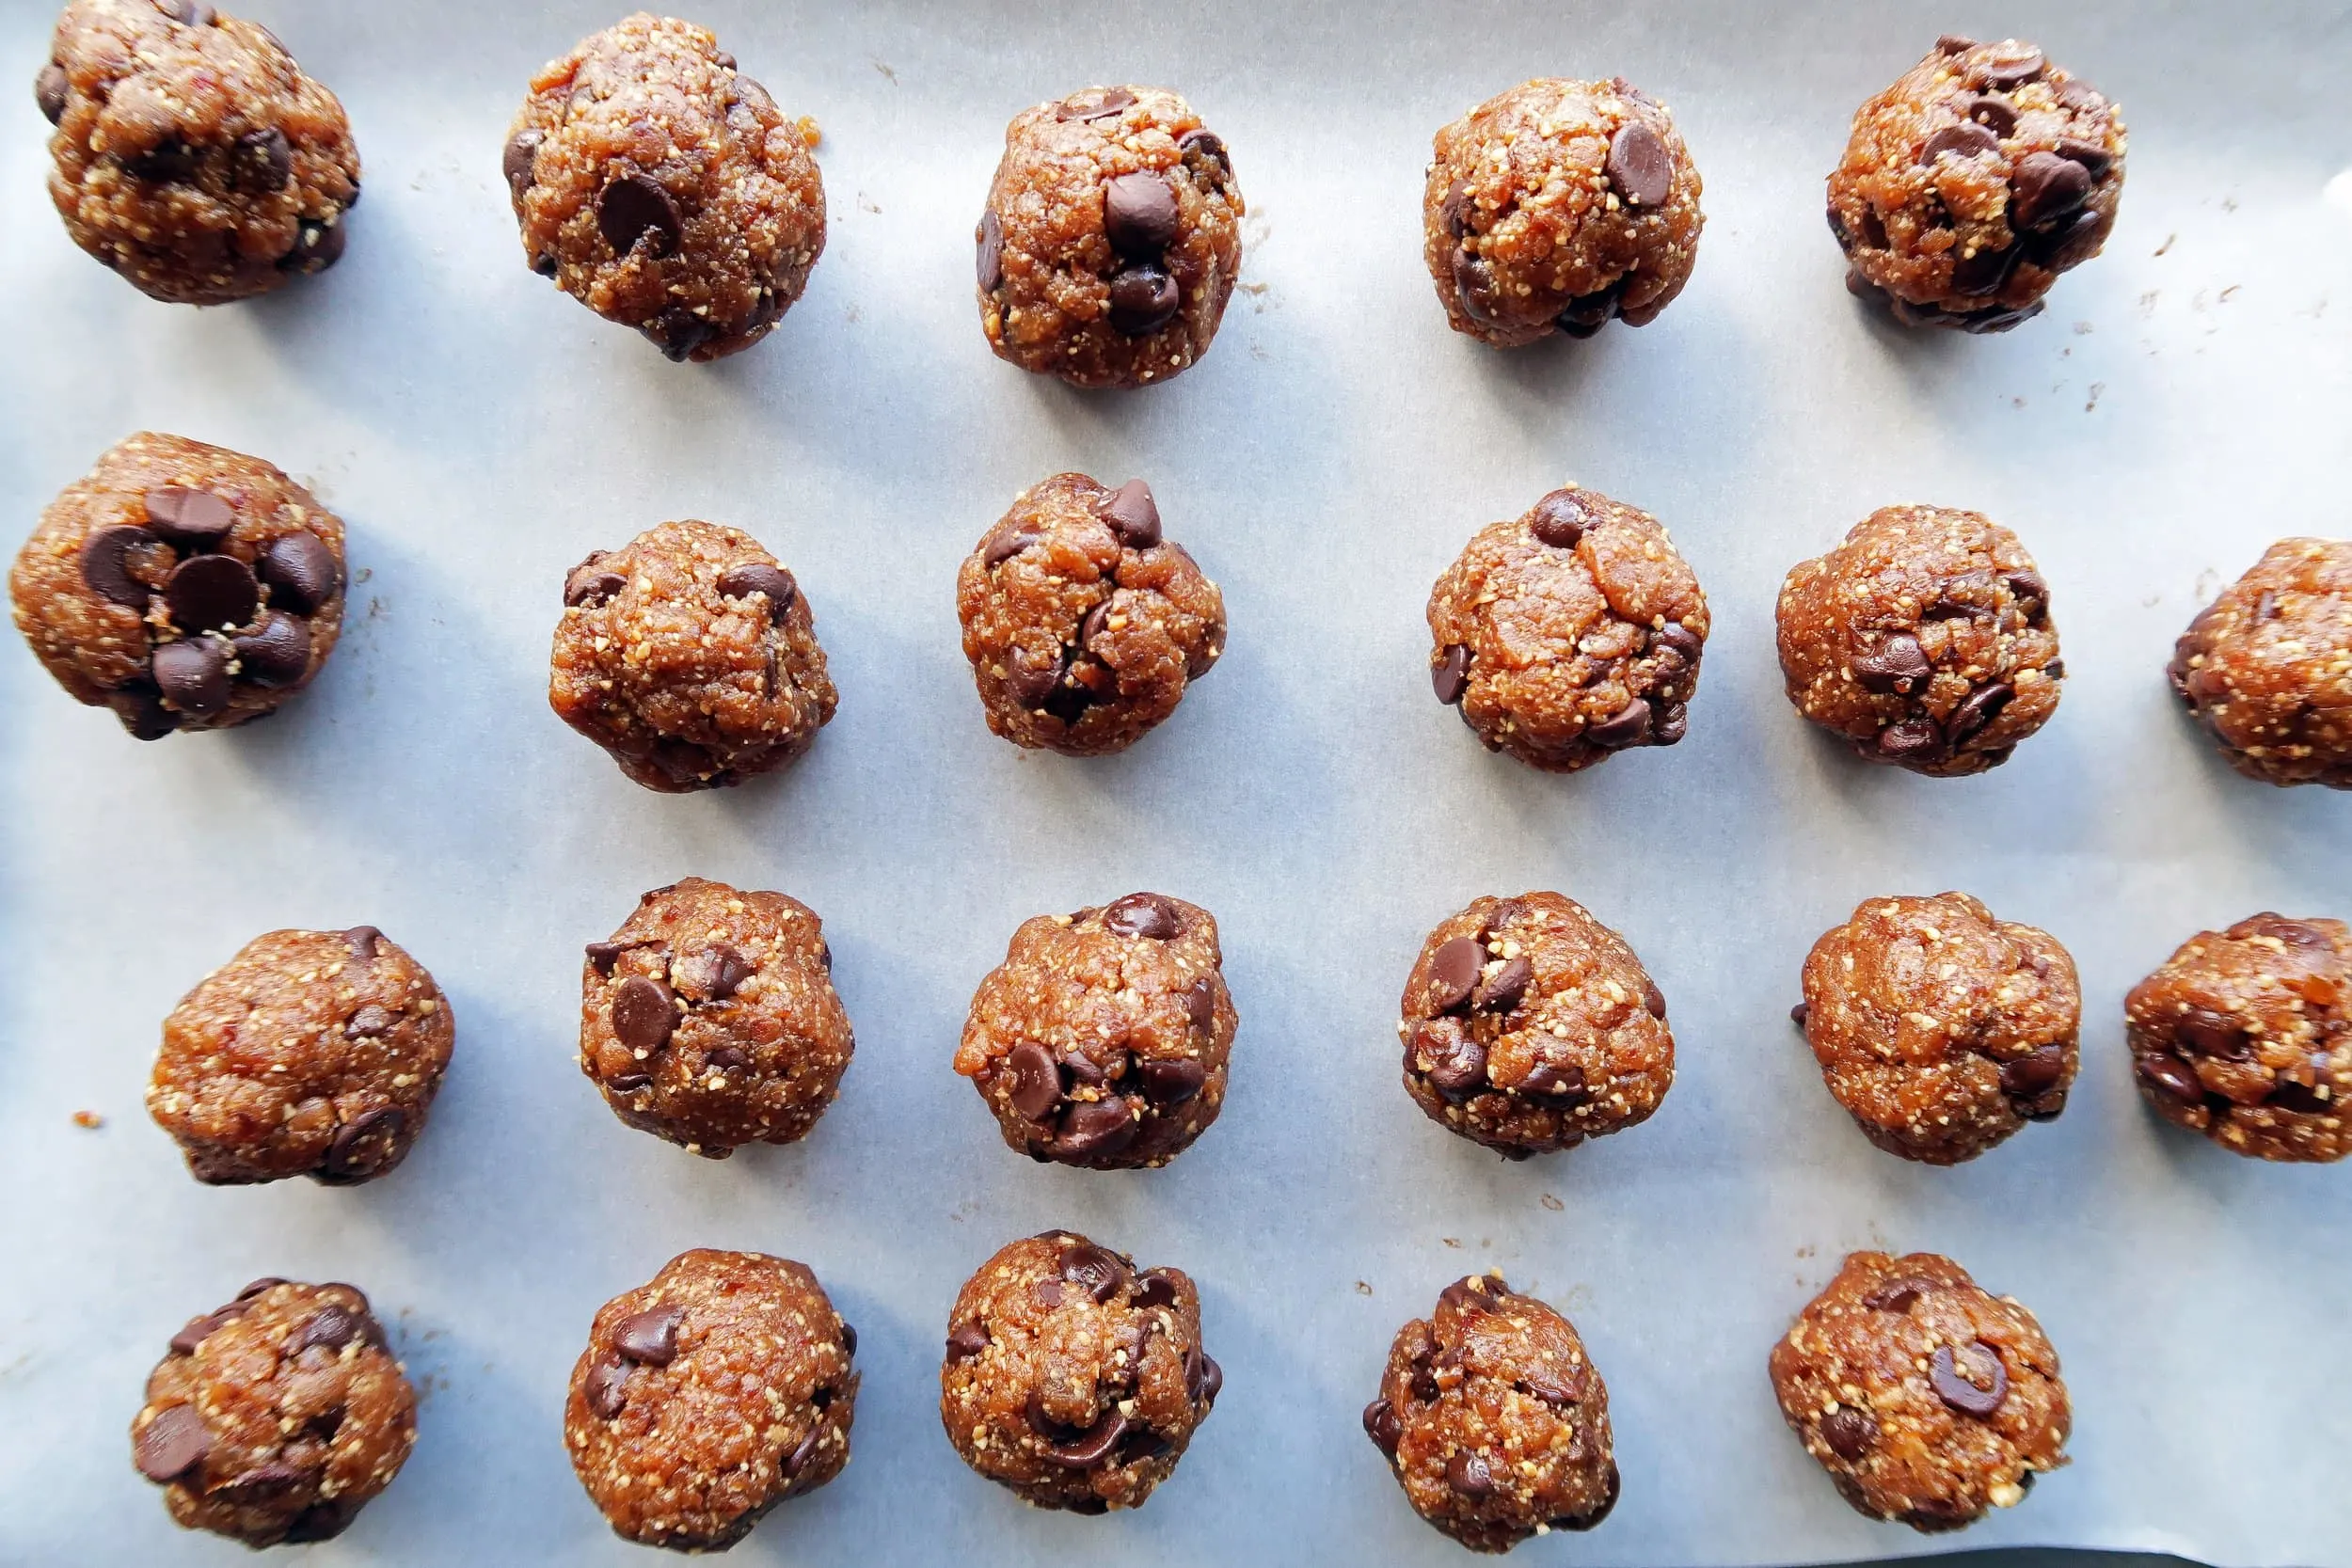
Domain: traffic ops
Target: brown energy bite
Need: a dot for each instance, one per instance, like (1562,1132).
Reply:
(1074,1378)
(1972,182)
(691,656)
(1102,1039)
(1560,206)
(1495,1419)
(2266,668)
(664,190)
(1926,1397)
(1111,240)
(710,1395)
(309,1053)
(1083,624)
(182,586)
(274,1419)
(1925,641)
(1569,634)
(2246,1036)
(709,1018)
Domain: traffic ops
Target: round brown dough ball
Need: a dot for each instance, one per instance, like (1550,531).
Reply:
(1926,1397)
(1940,1029)
(1100,1040)
(192,156)
(691,656)
(1494,1419)
(2246,1036)
(1071,1377)
(709,1018)
(274,1419)
(182,586)
(1925,641)
(309,1053)
(1560,206)
(1530,1027)
(1569,634)
(1084,625)
(2266,668)
(664,190)
(1972,182)
(1111,240)
(710,1395)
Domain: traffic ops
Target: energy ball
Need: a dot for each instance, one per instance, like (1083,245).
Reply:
(309,1053)
(274,1419)
(1084,625)
(1111,240)
(1569,634)
(691,656)
(1494,1418)
(664,190)
(1926,1397)
(1972,182)
(709,1396)
(2246,1036)
(1530,1027)
(1100,1040)
(182,586)
(709,1018)
(1074,1378)
(1560,206)
(1924,641)
(192,155)
(2267,666)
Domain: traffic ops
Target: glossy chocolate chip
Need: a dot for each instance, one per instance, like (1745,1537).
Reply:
(2302,1098)
(263,161)
(193,676)
(606,1389)
(1639,165)
(2034,1074)
(604,954)
(278,654)
(1450,676)
(1382,1426)
(1201,149)
(2045,187)
(1798,1014)
(2207,1032)
(1996,115)
(1097,1270)
(2168,1075)
(712,974)
(319,243)
(629,1083)
(1155,1288)
(1080,108)
(1502,991)
(2079,95)
(644,1014)
(301,572)
(1895,1296)
(189,520)
(1676,638)
(1979,710)
(196,1331)
(1557,1388)
(360,942)
(267,1282)
(636,208)
(1555,1081)
(210,592)
(521,160)
(1200,1003)
(1170,1082)
(1457,1063)
(1587,314)
(758,577)
(1034,1081)
(1455,970)
(1898,664)
(1468,1473)
(1096,1126)
(1004,547)
(989,251)
(1972,1380)
(1984,272)
(1132,513)
(1092,1445)
(1628,726)
(2012,70)
(49,90)
(1139,215)
(2295,934)
(1203,1378)
(105,562)
(804,1452)
(1144,298)
(1911,740)
(330,1328)
(363,1146)
(2094,159)
(1850,1433)
(1653,1000)
(1967,139)
(968,1342)
(590,584)
(1145,916)
(1559,520)
(1954,43)
(649,1338)
(172,1444)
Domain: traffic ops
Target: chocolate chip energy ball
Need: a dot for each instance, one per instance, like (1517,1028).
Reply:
(1100,1040)
(710,1395)
(1530,1027)
(184,587)
(1074,1378)
(192,155)
(664,190)
(1972,182)
(2267,666)
(1084,625)
(1111,240)
(1494,1419)
(274,1419)
(709,1018)
(1560,206)
(691,656)
(309,1053)
(1927,1399)
(1925,641)
(2246,1036)
(1569,634)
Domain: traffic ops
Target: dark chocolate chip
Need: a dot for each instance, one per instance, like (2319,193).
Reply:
(1798,1014)
(1203,1378)
(1674,637)
(167,161)
(1996,115)
(1155,1288)
(679,332)
(1139,215)
(1669,725)
(1896,665)
(263,161)
(1095,1270)
(713,973)
(1587,314)
(989,251)
(1035,1081)
(2012,70)
(649,1338)
(329,1329)
(2025,584)
(2096,160)
(106,564)
(1502,991)
(521,160)
(193,673)
(1382,1426)
(197,1330)
(2045,187)
(1946,607)
(208,591)
(1967,139)
(2295,934)
(370,1021)
(726,1058)
(1170,1082)
(1472,279)
(1850,1433)
(2290,1095)
(757,577)
(1554,1387)
(318,1522)
(2079,95)
(606,1387)
(1895,1296)
(1453,973)
(1455,209)
(1555,1081)
(275,655)
(804,1452)
(1096,1126)
(1559,520)
(1911,740)
(1628,726)
(190,519)
(589,585)
(636,208)
(1639,165)
(49,90)
(1004,547)
(319,243)
(1972,1381)
(172,1444)
(1448,678)
(1200,1003)
(1067,701)
(644,1014)
(1092,1445)
(1201,148)
(194,14)
(1984,272)
(267,1282)
(360,942)
(2055,670)
(1143,914)
(2034,1074)
(966,1342)
(629,1083)
(1978,709)
(848,1339)
(1652,998)
(2206,1033)
(1132,513)
(1144,298)
(301,572)
(604,954)
(1954,43)
(1466,1473)
(363,1146)
(2168,1075)
(1111,102)
(1457,1063)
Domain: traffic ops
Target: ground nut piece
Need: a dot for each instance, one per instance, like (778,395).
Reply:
(2246,1036)
(710,1395)
(1085,625)
(1939,1028)
(1925,640)
(664,190)
(1111,239)
(1100,1040)
(1925,1399)
(1073,1377)
(1972,182)
(1560,206)
(309,1053)
(709,1018)
(2267,666)
(1530,1027)
(274,1419)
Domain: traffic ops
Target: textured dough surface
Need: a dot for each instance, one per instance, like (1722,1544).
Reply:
(2266,668)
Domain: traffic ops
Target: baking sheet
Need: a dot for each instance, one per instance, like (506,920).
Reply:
(2183,401)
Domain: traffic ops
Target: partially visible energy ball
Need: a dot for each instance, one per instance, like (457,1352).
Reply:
(2267,667)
